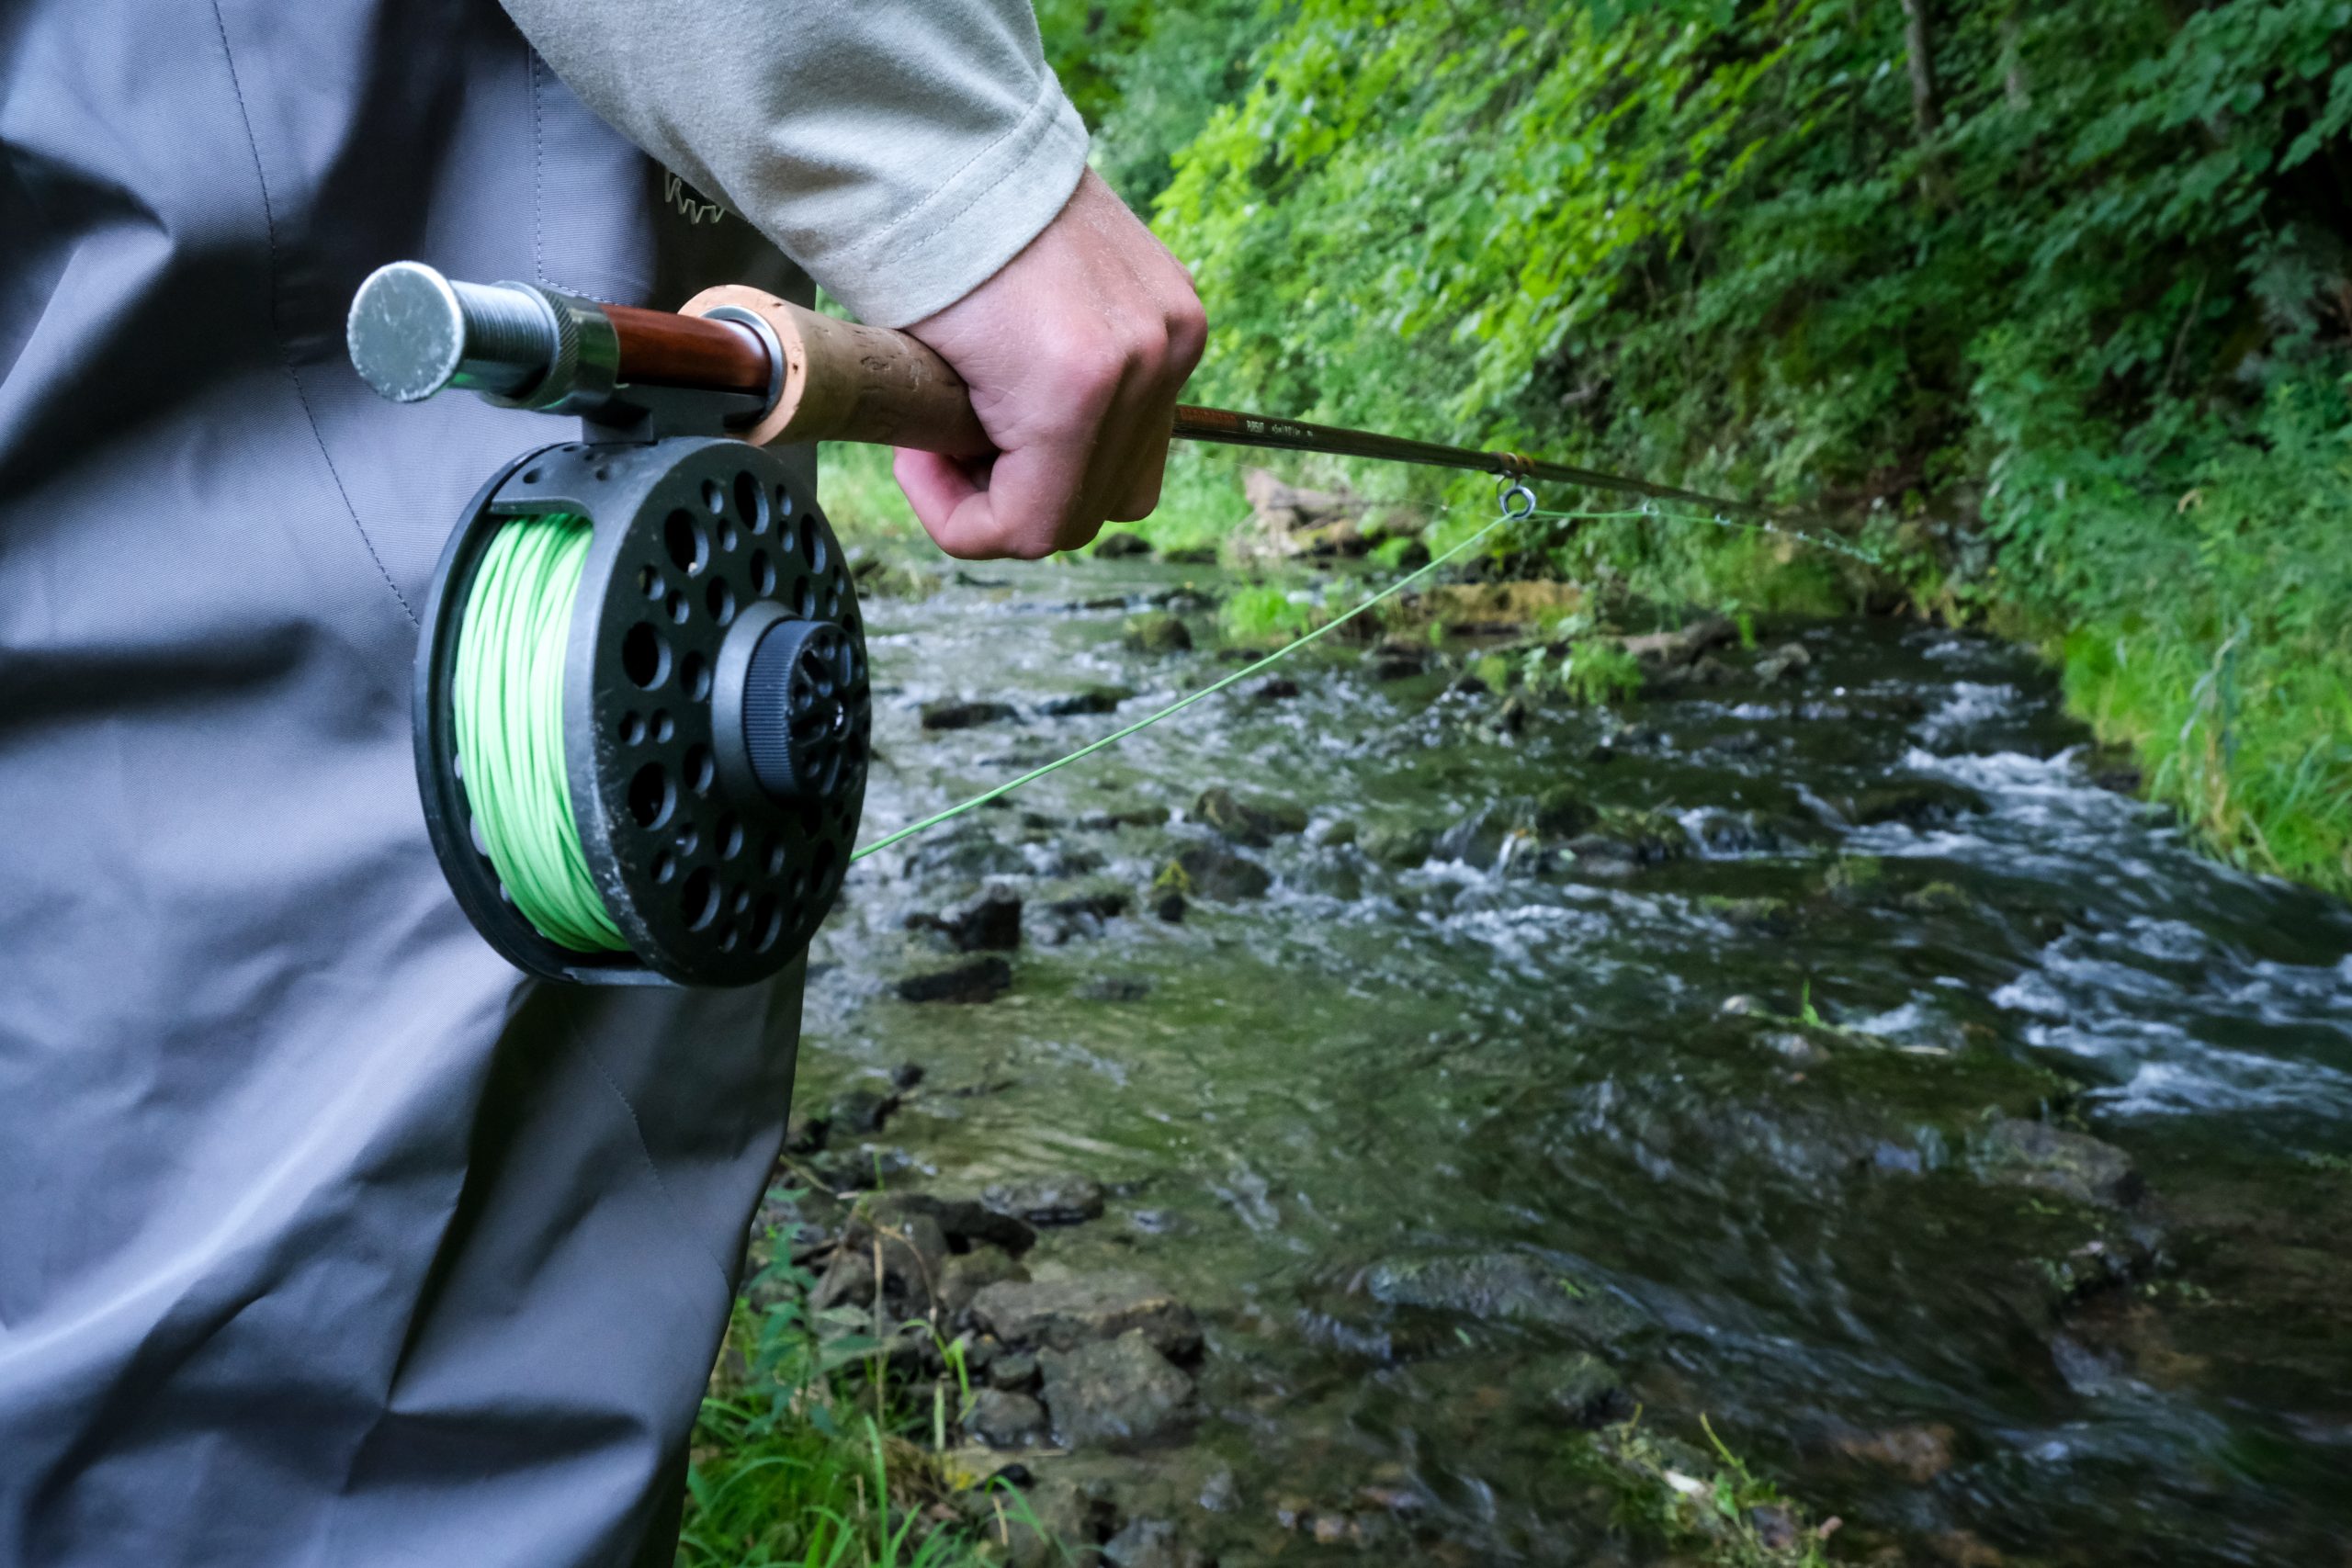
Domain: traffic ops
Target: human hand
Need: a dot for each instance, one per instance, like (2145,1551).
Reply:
(1075,352)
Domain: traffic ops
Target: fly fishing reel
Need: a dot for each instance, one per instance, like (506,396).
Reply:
(641,704)
(708,736)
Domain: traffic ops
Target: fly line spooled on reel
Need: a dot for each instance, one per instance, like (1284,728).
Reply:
(643,713)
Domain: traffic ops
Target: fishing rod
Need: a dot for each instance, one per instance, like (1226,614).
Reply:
(641,707)
(793,375)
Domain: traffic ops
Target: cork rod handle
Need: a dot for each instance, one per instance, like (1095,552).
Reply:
(847,382)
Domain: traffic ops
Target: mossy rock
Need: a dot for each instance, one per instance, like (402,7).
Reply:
(1158,631)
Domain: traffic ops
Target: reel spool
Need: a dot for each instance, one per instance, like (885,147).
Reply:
(714,714)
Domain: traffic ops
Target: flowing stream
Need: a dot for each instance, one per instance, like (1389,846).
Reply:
(1737,1108)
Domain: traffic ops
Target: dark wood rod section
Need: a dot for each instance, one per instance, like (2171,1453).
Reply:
(659,348)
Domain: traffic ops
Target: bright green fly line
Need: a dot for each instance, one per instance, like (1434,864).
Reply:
(509,711)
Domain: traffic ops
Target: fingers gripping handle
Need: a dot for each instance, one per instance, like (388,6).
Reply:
(843,381)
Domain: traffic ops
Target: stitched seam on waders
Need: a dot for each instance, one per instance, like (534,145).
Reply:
(538,177)
(285,352)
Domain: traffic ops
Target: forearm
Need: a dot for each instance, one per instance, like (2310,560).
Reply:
(901,153)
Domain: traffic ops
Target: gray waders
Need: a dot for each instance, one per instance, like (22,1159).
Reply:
(324,1238)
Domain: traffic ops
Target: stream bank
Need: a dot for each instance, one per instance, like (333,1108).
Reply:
(1402,1082)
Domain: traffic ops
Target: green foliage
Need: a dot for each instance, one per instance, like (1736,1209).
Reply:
(791,1466)
(2066,335)
(1265,615)
(1704,1509)
(1593,671)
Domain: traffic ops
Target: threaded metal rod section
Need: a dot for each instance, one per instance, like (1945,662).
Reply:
(412,332)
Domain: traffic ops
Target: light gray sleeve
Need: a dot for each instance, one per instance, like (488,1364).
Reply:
(901,150)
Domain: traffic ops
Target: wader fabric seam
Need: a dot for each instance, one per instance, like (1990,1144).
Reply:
(636,1133)
(285,352)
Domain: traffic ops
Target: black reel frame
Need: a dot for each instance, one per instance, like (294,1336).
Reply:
(701,547)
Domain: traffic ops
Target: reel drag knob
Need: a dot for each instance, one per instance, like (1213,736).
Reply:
(796,713)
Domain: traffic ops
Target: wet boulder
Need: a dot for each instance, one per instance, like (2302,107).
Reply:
(1399,847)
(1093,700)
(2016,1152)
(1060,1313)
(1481,840)
(1016,1369)
(990,923)
(1217,874)
(1676,649)
(1119,1393)
(1158,631)
(964,1276)
(971,853)
(1561,813)
(1253,822)
(910,1258)
(860,1111)
(966,1222)
(1787,662)
(1915,803)
(1048,1200)
(956,715)
(1122,545)
(981,980)
(1626,838)
(1082,914)
(1131,817)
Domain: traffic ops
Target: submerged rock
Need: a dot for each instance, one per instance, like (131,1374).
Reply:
(1116,1394)
(1048,1200)
(1060,1313)
(1093,700)
(953,714)
(859,1110)
(1133,816)
(990,923)
(1561,813)
(1217,874)
(2016,1152)
(1113,988)
(1786,662)
(1151,1543)
(1511,1287)
(1250,822)
(1158,631)
(1919,1454)
(972,854)
(1917,803)
(1398,846)
(983,980)
(1579,1386)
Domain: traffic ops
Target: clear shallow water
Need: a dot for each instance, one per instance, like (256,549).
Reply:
(1411,1138)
